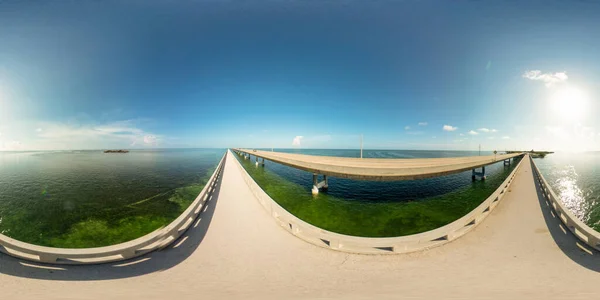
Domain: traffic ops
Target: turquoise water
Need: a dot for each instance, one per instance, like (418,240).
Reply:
(575,178)
(377,209)
(89,198)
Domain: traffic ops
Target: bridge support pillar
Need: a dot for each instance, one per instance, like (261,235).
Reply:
(507,162)
(260,162)
(481,174)
(323,185)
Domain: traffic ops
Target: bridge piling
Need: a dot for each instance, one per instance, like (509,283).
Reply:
(323,185)
(481,174)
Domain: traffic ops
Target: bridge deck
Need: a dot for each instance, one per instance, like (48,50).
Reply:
(238,252)
(379,168)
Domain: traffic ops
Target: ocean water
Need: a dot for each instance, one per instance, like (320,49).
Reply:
(378,209)
(575,178)
(78,199)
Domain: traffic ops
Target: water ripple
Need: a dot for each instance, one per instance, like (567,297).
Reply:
(575,178)
(569,192)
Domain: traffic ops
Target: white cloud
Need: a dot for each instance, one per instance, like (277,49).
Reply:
(120,129)
(462,134)
(491,138)
(422,123)
(296,141)
(487,130)
(549,79)
(472,132)
(449,128)
(406,127)
(506,137)
(87,134)
(150,140)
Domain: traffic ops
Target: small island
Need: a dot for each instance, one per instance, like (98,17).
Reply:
(116,151)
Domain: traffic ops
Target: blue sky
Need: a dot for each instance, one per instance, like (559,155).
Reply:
(311,74)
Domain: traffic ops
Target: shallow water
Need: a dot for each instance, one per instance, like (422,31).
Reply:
(80,199)
(377,209)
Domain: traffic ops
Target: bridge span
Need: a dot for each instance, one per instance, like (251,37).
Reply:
(236,251)
(378,169)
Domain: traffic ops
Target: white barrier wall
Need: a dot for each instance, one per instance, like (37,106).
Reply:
(158,239)
(366,245)
(581,230)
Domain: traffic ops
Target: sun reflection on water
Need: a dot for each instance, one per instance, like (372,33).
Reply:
(572,196)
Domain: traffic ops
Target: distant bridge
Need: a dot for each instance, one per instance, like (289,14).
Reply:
(534,154)
(378,169)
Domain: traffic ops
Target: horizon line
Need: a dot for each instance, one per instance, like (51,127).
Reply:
(283,148)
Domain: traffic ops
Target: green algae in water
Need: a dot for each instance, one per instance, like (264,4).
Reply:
(156,212)
(374,218)
(92,200)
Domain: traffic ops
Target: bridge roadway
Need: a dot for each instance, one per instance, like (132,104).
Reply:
(383,169)
(238,252)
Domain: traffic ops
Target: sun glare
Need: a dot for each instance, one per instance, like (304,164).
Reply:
(569,103)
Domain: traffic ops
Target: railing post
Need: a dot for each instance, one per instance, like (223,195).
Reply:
(48,258)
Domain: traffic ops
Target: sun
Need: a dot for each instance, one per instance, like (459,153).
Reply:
(569,103)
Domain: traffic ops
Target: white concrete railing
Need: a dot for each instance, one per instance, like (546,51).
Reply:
(367,245)
(157,239)
(581,230)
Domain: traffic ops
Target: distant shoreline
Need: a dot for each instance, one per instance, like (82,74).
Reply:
(116,151)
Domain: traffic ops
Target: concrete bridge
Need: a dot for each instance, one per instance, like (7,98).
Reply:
(524,249)
(380,169)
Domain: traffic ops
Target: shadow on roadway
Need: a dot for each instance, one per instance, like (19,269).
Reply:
(570,245)
(159,260)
